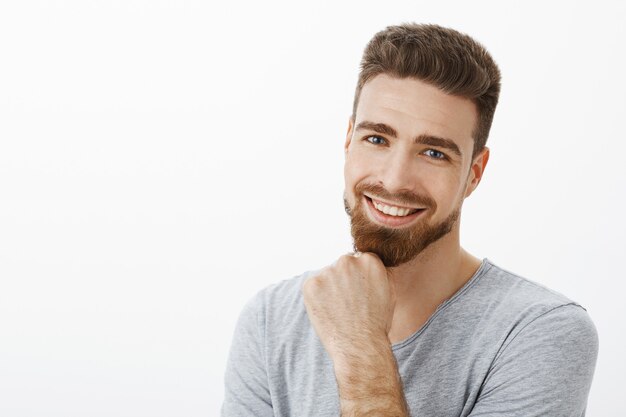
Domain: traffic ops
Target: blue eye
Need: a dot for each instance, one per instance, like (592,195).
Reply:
(435,154)
(377,140)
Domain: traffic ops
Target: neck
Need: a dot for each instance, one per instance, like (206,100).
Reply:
(426,281)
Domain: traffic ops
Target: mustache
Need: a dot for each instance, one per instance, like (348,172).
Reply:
(406,198)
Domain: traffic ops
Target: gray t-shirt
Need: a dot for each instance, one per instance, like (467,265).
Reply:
(500,346)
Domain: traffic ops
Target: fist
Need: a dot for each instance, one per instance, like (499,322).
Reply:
(350,303)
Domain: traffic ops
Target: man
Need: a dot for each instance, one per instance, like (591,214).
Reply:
(412,324)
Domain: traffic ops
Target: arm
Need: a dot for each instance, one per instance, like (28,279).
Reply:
(350,305)
(369,383)
(546,369)
(246,387)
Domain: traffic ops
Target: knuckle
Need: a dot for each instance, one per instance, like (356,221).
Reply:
(311,284)
(341,263)
(368,255)
(371,258)
(345,258)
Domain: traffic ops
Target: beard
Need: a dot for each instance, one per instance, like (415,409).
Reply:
(395,246)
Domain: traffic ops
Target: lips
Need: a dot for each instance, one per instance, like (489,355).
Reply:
(395,215)
(393,210)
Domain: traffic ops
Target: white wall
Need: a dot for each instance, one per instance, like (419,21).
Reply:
(162,161)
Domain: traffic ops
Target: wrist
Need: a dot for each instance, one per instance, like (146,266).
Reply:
(367,372)
(368,357)
(374,407)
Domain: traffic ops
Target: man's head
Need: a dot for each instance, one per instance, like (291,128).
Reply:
(441,57)
(415,147)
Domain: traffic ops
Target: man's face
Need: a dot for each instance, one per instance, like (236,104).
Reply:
(408,166)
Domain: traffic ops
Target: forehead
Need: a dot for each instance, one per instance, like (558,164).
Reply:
(413,107)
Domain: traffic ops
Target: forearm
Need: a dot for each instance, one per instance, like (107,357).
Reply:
(351,305)
(369,383)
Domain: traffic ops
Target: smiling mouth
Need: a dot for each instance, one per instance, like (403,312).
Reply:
(391,209)
(397,220)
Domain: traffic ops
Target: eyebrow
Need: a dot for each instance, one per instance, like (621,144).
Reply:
(439,142)
(381,128)
(423,139)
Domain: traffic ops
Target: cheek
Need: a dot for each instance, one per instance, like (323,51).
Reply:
(354,169)
(445,188)
(349,176)
(361,161)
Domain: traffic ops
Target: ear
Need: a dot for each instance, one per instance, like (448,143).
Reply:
(349,135)
(476,171)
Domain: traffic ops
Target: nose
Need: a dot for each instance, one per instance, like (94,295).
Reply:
(398,174)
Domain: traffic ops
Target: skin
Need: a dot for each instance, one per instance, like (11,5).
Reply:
(358,307)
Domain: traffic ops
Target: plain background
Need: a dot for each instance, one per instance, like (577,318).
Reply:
(162,161)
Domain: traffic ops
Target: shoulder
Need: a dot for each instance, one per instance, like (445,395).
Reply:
(511,293)
(544,348)
(529,307)
(518,289)
(284,294)
(501,305)
(279,303)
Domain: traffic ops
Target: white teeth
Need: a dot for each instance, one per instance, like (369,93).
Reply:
(392,210)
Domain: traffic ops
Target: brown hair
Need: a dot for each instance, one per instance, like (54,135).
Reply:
(442,57)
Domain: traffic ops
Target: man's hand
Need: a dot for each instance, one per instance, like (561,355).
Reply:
(350,305)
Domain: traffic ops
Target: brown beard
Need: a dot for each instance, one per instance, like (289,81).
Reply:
(395,246)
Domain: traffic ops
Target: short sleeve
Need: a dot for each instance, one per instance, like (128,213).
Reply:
(545,369)
(246,384)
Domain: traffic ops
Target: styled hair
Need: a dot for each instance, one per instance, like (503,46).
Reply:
(445,58)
